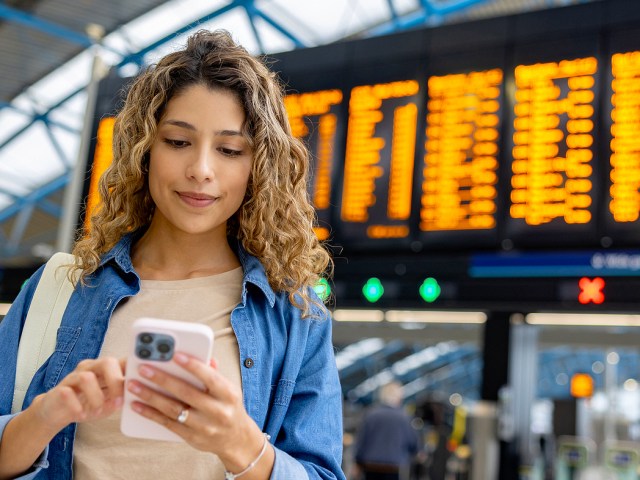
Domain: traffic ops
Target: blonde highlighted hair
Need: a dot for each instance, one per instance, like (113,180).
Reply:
(275,220)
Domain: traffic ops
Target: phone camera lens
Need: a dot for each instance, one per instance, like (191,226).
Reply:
(144,353)
(146,338)
(164,348)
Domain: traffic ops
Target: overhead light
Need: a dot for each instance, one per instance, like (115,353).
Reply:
(358,315)
(435,316)
(4,308)
(588,319)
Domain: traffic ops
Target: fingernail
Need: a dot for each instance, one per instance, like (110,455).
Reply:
(136,407)
(181,358)
(134,387)
(146,372)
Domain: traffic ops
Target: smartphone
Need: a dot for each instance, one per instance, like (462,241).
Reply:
(154,342)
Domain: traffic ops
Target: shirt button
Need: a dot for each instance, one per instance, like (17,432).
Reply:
(248,362)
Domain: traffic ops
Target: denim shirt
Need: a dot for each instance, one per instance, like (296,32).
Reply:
(289,376)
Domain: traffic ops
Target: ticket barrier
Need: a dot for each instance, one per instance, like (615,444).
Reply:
(574,456)
(623,459)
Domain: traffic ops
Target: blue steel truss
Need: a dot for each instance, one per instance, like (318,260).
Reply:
(430,12)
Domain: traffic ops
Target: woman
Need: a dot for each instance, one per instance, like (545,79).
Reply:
(205,219)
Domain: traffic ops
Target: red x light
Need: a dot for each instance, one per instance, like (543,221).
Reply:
(591,290)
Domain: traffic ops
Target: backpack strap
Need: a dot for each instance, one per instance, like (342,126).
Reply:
(38,339)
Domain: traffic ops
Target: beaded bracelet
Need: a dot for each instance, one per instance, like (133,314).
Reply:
(232,476)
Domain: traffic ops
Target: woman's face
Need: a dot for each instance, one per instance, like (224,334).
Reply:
(199,162)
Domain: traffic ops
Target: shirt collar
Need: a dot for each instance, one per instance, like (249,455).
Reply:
(253,273)
(121,253)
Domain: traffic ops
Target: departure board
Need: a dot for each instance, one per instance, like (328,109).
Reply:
(622,123)
(625,141)
(503,150)
(102,158)
(552,156)
(378,161)
(459,187)
(314,117)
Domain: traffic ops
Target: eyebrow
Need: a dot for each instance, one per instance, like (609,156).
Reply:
(188,126)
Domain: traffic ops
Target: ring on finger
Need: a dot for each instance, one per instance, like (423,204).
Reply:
(184,414)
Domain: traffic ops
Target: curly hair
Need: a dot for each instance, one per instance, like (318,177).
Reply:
(274,222)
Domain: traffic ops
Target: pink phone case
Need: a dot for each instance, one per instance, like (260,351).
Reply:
(191,338)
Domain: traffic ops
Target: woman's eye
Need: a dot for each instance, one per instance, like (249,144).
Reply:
(229,152)
(176,143)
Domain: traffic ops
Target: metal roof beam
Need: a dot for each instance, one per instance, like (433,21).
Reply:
(39,116)
(50,28)
(19,228)
(453,6)
(49,207)
(250,8)
(393,12)
(248,5)
(43,115)
(4,191)
(137,57)
(66,161)
(32,21)
(35,196)
(278,27)
(429,11)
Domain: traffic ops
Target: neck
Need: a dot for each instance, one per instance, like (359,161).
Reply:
(178,255)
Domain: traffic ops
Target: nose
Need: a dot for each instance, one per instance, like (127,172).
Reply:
(200,167)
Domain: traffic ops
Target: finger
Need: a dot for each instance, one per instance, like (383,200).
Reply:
(173,425)
(86,383)
(91,365)
(113,404)
(112,377)
(169,407)
(177,387)
(110,373)
(217,385)
(66,400)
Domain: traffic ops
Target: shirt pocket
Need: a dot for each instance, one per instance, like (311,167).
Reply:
(65,341)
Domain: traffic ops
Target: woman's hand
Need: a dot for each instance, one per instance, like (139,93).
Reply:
(93,390)
(216,421)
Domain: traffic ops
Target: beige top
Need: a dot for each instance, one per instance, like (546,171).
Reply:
(100,450)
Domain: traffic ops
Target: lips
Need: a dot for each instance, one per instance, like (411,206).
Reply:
(196,199)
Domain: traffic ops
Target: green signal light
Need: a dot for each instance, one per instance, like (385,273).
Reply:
(322,289)
(430,290)
(373,290)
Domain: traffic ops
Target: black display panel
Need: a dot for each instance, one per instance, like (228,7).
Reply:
(459,153)
(375,200)
(525,187)
(620,125)
(552,151)
(317,118)
(511,121)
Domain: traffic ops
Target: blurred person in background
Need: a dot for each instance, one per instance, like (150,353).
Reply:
(386,443)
